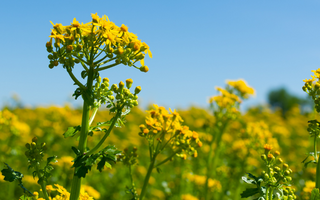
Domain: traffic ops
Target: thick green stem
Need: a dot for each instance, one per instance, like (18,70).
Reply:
(76,181)
(146,180)
(42,184)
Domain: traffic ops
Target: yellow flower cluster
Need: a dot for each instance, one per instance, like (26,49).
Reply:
(166,127)
(10,124)
(99,35)
(188,197)
(232,95)
(199,180)
(242,87)
(63,194)
(306,191)
(312,87)
(225,99)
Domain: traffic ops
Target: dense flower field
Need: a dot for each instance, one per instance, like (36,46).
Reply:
(239,152)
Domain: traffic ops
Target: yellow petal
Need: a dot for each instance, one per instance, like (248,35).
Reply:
(142,62)
(149,53)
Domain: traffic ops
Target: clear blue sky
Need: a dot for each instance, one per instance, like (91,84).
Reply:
(196,46)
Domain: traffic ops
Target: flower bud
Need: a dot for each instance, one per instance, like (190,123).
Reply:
(69,48)
(114,87)
(144,69)
(137,90)
(277,169)
(33,145)
(129,83)
(105,80)
(135,102)
(99,79)
(35,139)
(121,85)
(279,160)
(28,146)
(264,157)
(288,178)
(49,44)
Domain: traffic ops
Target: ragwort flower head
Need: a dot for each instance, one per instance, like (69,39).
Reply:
(312,88)
(241,86)
(97,42)
(166,127)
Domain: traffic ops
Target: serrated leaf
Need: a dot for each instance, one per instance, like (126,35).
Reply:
(75,150)
(51,159)
(315,195)
(82,171)
(92,159)
(71,131)
(249,192)
(90,133)
(11,175)
(101,164)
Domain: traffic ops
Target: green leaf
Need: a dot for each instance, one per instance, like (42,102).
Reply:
(23,197)
(71,131)
(84,74)
(82,171)
(249,192)
(101,164)
(75,150)
(11,175)
(315,195)
(249,181)
(51,159)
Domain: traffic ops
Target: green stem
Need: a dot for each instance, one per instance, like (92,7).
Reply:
(146,180)
(211,163)
(75,79)
(94,112)
(167,159)
(107,67)
(267,193)
(208,171)
(42,184)
(76,181)
(115,119)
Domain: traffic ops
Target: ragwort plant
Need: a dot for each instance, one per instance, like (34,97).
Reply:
(274,182)
(312,88)
(225,108)
(167,136)
(95,46)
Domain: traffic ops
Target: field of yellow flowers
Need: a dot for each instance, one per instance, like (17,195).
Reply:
(124,152)
(237,153)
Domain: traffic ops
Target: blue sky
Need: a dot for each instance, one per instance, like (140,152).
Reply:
(196,46)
